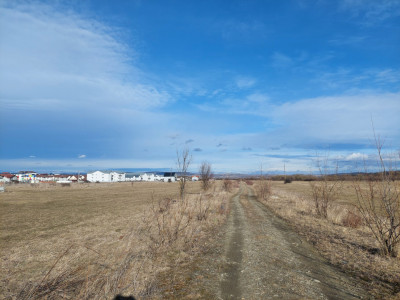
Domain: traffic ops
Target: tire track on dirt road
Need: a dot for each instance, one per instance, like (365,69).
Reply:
(265,258)
(230,288)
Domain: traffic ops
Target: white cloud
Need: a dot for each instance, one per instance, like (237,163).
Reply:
(62,60)
(356,156)
(338,120)
(82,156)
(347,78)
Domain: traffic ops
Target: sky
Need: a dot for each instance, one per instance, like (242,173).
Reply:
(244,85)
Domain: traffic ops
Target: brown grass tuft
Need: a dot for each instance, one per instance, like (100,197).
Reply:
(94,241)
(352,220)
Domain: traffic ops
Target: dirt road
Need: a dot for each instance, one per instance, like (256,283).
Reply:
(265,259)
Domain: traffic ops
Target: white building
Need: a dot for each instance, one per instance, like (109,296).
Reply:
(108,176)
(169,177)
(26,176)
(117,176)
(4,179)
(148,177)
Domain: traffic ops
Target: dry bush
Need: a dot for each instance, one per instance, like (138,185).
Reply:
(263,189)
(326,189)
(287,180)
(227,185)
(324,192)
(343,239)
(171,222)
(248,182)
(183,161)
(379,202)
(206,175)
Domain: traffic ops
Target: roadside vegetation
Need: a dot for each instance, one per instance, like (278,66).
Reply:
(95,241)
(352,219)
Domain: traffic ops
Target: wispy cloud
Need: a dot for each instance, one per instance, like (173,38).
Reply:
(347,40)
(245,82)
(348,78)
(372,11)
(63,60)
(253,104)
(82,156)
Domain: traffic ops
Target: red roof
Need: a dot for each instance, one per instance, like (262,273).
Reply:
(6,174)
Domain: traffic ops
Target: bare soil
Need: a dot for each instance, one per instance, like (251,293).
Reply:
(259,256)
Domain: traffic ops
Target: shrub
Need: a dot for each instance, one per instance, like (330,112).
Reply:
(326,189)
(227,185)
(206,175)
(352,220)
(263,189)
(287,180)
(379,203)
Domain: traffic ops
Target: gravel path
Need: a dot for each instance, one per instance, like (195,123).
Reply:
(264,258)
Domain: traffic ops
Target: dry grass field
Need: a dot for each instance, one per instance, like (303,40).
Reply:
(98,240)
(94,241)
(347,245)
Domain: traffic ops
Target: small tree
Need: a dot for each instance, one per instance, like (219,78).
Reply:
(206,175)
(379,202)
(183,160)
(263,188)
(326,189)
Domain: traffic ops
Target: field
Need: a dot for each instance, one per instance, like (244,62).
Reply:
(349,246)
(53,235)
(94,241)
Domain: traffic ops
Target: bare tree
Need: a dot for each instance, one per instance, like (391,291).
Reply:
(183,161)
(263,187)
(206,175)
(379,201)
(326,189)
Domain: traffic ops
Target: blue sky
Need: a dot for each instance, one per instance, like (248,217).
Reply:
(123,84)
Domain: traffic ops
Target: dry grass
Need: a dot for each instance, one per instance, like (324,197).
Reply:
(262,189)
(342,238)
(94,241)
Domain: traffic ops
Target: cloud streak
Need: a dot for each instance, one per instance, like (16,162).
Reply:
(63,60)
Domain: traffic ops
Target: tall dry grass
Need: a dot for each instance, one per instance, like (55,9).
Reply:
(171,230)
(343,238)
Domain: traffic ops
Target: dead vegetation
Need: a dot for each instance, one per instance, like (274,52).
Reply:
(120,238)
(378,201)
(343,237)
(206,175)
(325,190)
(263,189)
